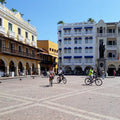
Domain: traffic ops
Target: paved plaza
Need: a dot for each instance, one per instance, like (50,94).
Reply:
(33,99)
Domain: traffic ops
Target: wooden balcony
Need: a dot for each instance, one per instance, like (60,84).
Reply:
(17,53)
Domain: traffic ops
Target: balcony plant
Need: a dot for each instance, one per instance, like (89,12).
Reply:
(2,2)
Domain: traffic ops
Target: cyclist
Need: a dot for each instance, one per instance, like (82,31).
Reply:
(60,73)
(91,74)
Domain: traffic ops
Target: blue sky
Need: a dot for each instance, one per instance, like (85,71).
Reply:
(44,14)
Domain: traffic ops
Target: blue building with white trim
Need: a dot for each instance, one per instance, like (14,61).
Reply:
(76,47)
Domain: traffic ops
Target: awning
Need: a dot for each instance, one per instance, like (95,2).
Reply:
(65,38)
(86,47)
(86,37)
(65,48)
(60,48)
(75,47)
(88,27)
(90,47)
(67,57)
(60,40)
(90,37)
(59,31)
(77,56)
(88,56)
(80,47)
(69,48)
(78,28)
(69,38)
(66,28)
(60,57)
(80,38)
(75,38)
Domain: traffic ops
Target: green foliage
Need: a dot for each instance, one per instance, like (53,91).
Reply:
(60,22)
(90,20)
(2,2)
(13,10)
(21,14)
(28,20)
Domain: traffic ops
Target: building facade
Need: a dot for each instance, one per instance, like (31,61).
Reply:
(109,34)
(18,45)
(49,55)
(76,49)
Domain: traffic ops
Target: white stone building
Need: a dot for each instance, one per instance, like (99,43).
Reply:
(76,47)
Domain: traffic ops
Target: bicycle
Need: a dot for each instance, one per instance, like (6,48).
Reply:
(89,81)
(61,78)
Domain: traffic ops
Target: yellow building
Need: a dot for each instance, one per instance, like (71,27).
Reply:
(52,56)
(18,45)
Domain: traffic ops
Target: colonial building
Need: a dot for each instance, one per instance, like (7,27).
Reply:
(77,43)
(18,45)
(109,34)
(49,55)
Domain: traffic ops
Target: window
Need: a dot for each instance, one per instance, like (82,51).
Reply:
(19,31)
(65,50)
(86,41)
(69,50)
(69,41)
(90,50)
(79,50)
(79,41)
(27,50)
(75,50)
(26,34)
(65,41)
(32,38)
(50,49)
(10,26)
(86,50)
(0,21)
(20,49)
(75,41)
(33,52)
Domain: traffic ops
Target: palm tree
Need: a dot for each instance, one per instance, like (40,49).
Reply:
(21,14)
(28,20)
(90,20)
(13,10)
(61,22)
(2,2)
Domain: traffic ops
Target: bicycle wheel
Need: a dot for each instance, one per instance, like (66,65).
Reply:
(58,80)
(98,82)
(64,80)
(87,81)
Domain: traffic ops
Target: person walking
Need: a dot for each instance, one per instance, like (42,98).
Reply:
(114,72)
(51,76)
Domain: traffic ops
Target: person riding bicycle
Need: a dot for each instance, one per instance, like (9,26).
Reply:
(91,74)
(60,73)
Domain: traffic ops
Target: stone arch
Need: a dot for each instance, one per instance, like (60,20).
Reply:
(12,68)
(20,68)
(111,67)
(28,69)
(2,68)
(86,70)
(68,70)
(78,70)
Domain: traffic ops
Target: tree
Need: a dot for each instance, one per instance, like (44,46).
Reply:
(2,2)
(13,10)
(21,14)
(90,20)
(28,20)
(60,22)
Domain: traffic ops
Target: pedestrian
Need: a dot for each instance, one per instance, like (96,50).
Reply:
(51,76)
(114,72)
(103,74)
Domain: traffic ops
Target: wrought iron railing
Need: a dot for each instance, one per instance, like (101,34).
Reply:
(14,52)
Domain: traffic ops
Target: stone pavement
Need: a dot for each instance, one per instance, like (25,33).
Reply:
(33,99)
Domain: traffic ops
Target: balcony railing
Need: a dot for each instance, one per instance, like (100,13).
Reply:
(20,38)
(34,43)
(18,53)
(27,41)
(111,47)
(112,58)
(2,30)
(106,34)
(11,34)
